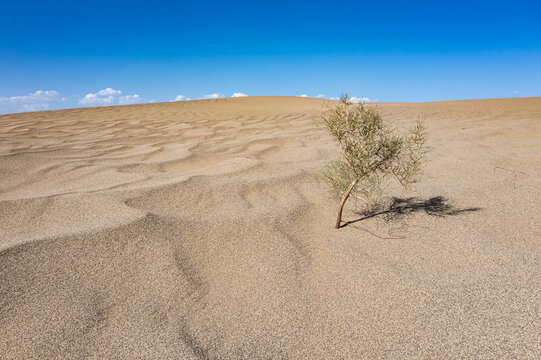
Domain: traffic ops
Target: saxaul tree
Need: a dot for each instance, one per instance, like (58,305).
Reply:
(372,151)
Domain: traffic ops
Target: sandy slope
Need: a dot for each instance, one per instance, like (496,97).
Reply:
(197,230)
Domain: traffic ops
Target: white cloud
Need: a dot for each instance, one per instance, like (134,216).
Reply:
(93,99)
(181,98)
(110,96)
(108,91)
(238,94)
(38,100)
(319,96)
(212,96)
(36,96)
(356,100)
(515,92)
(130,99)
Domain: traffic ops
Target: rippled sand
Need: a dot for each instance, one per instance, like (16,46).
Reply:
(197,230)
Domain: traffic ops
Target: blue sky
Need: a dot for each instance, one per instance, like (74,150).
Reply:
(61,54)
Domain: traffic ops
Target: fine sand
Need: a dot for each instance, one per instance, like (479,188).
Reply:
(197,229)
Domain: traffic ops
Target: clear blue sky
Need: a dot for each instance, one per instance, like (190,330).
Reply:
(386,50)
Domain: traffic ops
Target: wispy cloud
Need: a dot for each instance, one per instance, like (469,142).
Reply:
(238,94)
(110,96)
(212,96)
(38,96)
(353,99)
(34,107)
(514,92)
(38,100)
(357,100)
(319,96)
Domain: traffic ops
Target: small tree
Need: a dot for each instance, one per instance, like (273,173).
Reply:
(371,151)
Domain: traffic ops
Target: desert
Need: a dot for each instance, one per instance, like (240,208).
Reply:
(199,230)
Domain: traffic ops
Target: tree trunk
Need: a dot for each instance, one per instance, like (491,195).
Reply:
(343,201)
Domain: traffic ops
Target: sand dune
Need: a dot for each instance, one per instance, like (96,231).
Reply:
(197,230)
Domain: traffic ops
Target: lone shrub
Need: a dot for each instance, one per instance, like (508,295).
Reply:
(371,151)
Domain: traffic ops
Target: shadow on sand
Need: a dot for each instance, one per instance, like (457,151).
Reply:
(400,207)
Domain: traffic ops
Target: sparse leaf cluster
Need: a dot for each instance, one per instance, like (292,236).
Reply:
(371,151)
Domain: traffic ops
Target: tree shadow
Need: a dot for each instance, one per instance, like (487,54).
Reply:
(401,207)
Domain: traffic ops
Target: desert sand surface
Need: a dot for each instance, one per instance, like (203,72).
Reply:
(197,230)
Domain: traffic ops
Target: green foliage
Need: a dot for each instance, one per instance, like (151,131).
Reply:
(371,151)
